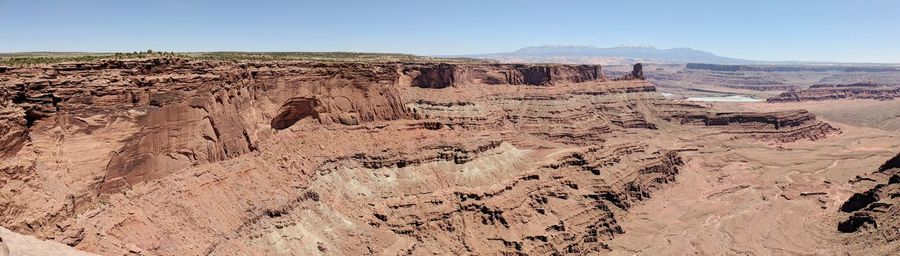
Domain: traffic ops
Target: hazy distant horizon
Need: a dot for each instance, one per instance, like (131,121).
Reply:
(827,31)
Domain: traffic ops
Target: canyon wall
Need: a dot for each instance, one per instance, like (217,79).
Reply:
(784,126)
(171,156)
(445,75)
(865,90)
(872,215)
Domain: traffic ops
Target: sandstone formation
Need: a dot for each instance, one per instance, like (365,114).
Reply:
(170,156)
(784,126)
(863,90)
(637,73)
(876,208)
(760,86)
(445,75)
(873,214)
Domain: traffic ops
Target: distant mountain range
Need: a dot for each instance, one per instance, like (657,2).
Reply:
(613,55)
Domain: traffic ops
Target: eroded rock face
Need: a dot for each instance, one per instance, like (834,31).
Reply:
(864,90)
(893,163)
(874,212)
(294,110)
(446,75)
(637,73)
(174,157)
(785,126)
(436,76)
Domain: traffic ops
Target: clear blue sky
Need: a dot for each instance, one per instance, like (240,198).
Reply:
(829,30)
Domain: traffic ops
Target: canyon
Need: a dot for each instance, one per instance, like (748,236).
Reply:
(778,83)
(179,156)
(840,91)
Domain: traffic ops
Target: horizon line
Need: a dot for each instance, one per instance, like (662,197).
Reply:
(749,62)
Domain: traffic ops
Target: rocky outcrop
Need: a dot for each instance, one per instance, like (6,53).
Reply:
(873,213)
(864,90)
(437,76)
(890,164)
(211,108)
(776,86)
(785,126)
(868,84)
(637,73)
(774,120)
(445,75)
(570,205)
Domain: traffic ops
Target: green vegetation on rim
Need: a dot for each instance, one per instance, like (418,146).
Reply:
(35,58)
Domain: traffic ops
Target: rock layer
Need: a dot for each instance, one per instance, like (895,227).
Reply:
(445,75)
(835,92)
(785,126)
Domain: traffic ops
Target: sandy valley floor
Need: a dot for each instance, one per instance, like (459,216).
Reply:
(763,198)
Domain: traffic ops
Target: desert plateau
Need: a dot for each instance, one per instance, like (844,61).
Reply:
(173,156)
(449,128)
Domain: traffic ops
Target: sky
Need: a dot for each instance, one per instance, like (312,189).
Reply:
(771,30)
